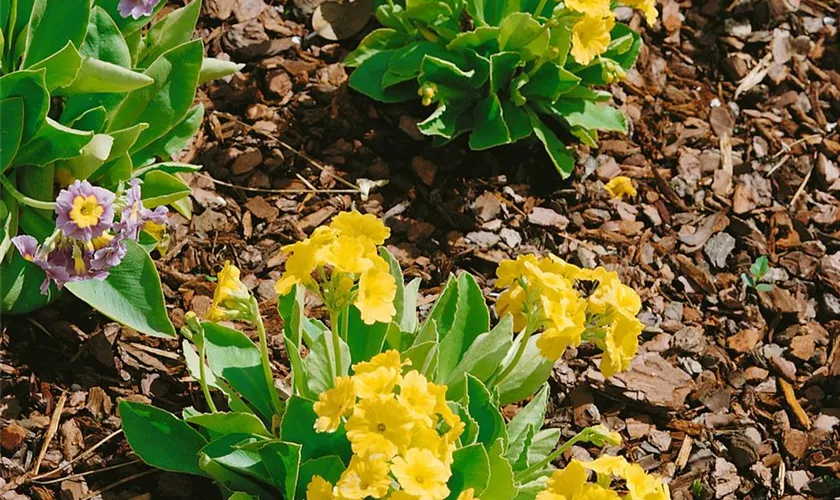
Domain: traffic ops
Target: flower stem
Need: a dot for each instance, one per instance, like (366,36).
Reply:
(202,373)
(266,363)
(22,198)
(580,436)
(336,347)
(526,335)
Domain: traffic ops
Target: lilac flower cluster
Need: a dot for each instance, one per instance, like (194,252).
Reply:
(137,8)
(87,242)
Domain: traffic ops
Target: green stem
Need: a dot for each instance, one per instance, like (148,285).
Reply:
(540,7)
(580,436)
(202,373)
(22,198)
(334,331)
(266,364)
(526,335)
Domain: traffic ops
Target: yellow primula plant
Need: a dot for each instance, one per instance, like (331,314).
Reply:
(381,405)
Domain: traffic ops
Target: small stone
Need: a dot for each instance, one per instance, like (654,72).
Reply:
(511,238)
(785,367)
(795,443)
(718,248)
(483,239)
(802,347)
(826,422)
(12,436)
(726,478)
(546,217)
(745,340)
(755,373)
(638,427)
(487,206)
(660,439)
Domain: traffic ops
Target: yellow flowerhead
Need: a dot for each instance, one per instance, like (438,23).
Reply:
(319,489)
(388,359)
(356,225)
(347,255)
(377,376)
(421,474)
(334,404)
(425,437)
(402,495)
(415,395)
(644,486)
(590,7)
(364,478)
(379,427)
(620,187)
(303,260)
(377,290)
(608,465)
(566,313)
(512,301)
(591,37)
(620,345)
(468,494)
(231,300)
(567,482)
(648,8)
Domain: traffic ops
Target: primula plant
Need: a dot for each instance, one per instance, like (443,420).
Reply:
(502,71)
(381,405)
(94,103)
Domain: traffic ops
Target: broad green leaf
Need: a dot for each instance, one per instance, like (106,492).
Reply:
(113,172)
(443,121)
(563,161)
(424,358)
(235,358)
(328,467)
(32,88)
(490,129)
(298,427)
(52,25)
(230,423)
(92,120)
(128,24)
(319,364)
(104,40)
(501,485)
(367,79)
(482,358)
(61,68)
(549,82)
(502,66)
(365,341)
(470,469)
(124,139)
(531,489)
(213,69)
(93,155)
(521,33)
(517,121)
(485,410)
(560,41)
(169,167)
(193,366)
(283,463)
(442,313)
(544,442)
(452,82)
(406,61)
(162,188)
(375,42)
(405,300)
(523,426)
(130,295)
(486,12)
(173,30)
(589,115)
(12,115)
(52,143)
(164,102)
(483,40)
(231,451)
(464,319)
(97,76)
(161,439)
(530,373)
(173,141)
(20,293)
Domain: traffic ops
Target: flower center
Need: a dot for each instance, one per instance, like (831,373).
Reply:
(381,427)
(86,211)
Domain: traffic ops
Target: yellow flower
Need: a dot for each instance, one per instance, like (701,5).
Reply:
(415,395)
(591,37)
(335,403)
(356,225)
(648,8)
(388,359)
(468,494)
(512,301)
(377,290)
(425,437)
(379,426)
(590,7)
(453,421)
(567,481)
(644,486)
(567,321)
(608,465)
(364,478)
(319,489)
(401,495)
(231,299)
(347,255)
(421,474)
(303,259)
(610,293)
(377,376)
(620,187)
(620,345)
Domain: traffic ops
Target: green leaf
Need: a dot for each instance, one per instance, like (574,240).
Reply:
(760,267)
(549,82)
(517,121)
(20,293)
(560,41)
(452,81)
(126,24)
(443,121)
(52,143)
(283,463)
(193,366)
(319,364)
(589,115)
(231,451)
(405,300)
(93,155)
(97,76)
(169,167)
(544,442)
(563,161)
(104,41)
(173,30)
(298,427)
(161,188)
(124,139)
(424,358)
(482,358)
(375,42)
(521,33)
(483,40)
(486,12)
(32,88)
(365,341)
(52,25)
(470,469)
(485,410)
(163,103)
(490,129)
(329,467)
(213,69)
(367,79)
(763,287)
(160,439)
(502,66)
(530,373)
(406,61)
(502,485)
(230,423)
(235,358)
(173,141)
(461,322)
(61,68)
(130,295)
(92,120)
(11,114)
(523,426)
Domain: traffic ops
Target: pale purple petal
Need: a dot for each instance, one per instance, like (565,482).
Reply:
(135,215)
(79,229)
(137,8)
(109,256)
(27,246)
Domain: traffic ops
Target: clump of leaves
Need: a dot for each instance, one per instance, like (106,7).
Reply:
(758,270)
(512,71)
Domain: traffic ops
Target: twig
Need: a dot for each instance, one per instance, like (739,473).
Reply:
(787,147)
(79,456)
(88,473)
(121,481)
(778,165)
(51,430)
(804,182)
(790,397)
(279,191)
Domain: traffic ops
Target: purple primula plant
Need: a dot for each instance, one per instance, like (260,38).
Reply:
(137,8)
(86,242)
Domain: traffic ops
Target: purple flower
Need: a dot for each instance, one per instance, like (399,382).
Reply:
(109,255)
(27,246)
(84,211)
(135,215)
(137,8)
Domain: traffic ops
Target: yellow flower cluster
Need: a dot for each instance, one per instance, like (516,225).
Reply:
(399,427)
(544,293)
(591,34)
(348,246)
(570,483)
